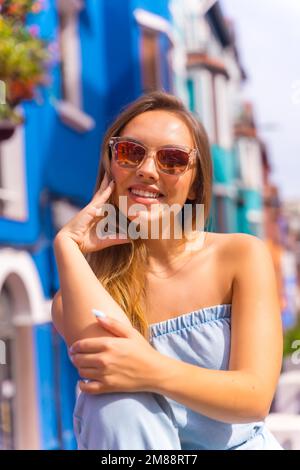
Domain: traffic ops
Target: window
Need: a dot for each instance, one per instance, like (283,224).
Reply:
(215,102)
(70,106)
(150,55)
(223,119)
(197,34)
(202,80)
(156,39)
(208,78)
(250,167)
(13,196)
(70,50)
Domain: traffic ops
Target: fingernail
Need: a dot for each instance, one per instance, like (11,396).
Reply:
(98,313)
(85,381)
(71,349)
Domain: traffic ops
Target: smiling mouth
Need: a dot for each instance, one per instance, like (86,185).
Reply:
(149,195)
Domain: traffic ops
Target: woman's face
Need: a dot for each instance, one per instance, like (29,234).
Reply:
(154,129)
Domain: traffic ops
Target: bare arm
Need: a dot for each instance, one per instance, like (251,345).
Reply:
(80,292)
(243,393)
(57,313)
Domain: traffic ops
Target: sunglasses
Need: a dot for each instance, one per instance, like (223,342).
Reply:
(171,160)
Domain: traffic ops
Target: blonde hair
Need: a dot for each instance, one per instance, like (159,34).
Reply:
(121,268)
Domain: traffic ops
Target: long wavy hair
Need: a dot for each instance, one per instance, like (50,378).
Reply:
(121,268)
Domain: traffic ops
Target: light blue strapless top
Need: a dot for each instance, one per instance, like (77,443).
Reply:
(202,338)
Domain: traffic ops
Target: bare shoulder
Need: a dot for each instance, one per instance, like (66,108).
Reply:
(246,262)
(232,244)
(238,250)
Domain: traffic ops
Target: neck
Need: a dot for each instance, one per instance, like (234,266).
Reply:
(167,243)
(164,253)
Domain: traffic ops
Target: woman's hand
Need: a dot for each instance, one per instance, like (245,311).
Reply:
(82,227)
(126,362)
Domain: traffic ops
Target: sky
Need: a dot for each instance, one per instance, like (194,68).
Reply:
(268,41)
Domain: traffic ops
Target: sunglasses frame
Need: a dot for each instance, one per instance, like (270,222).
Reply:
(191,152)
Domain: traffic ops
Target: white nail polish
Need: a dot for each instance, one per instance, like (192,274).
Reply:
(98,313)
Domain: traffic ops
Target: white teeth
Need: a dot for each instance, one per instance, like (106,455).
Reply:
(139,192)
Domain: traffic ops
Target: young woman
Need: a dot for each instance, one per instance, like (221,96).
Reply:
(186,350)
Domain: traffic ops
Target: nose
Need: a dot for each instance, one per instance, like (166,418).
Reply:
(148,169)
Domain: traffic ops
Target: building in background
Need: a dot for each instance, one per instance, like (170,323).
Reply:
(214,77)
(111,52)
(273,230)
(249,159)
(290,231)
(212,84)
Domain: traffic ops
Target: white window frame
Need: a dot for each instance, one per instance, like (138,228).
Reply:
(204,100)
(70,107)
(154,22)
(13,189)
(223,118)
(249,155)
(197,33)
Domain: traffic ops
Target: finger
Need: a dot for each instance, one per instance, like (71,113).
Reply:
(106,242)
(93,388)
(85,360)
(115,236)
(88,373)
(102,195)
(89,345)
(116,327)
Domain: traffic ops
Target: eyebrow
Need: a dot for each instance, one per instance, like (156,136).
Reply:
(165,145)
(132,138)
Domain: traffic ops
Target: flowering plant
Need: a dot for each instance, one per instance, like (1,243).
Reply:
(17,9)
(23,56)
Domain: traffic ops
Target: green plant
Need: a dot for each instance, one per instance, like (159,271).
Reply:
(23,56)
(291,335)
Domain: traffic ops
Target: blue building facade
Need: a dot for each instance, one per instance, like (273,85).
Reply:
(49,169)
(110,53)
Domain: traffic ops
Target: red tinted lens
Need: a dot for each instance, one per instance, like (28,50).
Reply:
(172,161)
(129,154)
